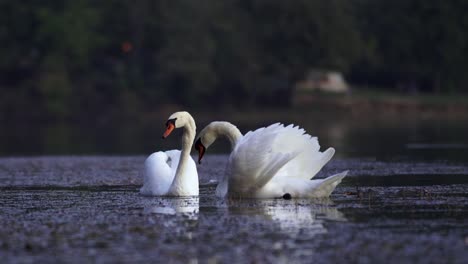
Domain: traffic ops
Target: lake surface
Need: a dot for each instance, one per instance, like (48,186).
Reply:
(399,137)
(87,208)
(69,193)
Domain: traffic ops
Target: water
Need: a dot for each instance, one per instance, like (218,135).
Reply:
(405,199)
(403,137)
(76,209)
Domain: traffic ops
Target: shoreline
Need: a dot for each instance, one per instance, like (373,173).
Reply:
(387,104)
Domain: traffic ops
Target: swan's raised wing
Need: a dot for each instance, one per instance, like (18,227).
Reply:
(253,162)
(309,161)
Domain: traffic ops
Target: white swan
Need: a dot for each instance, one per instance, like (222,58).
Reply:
(270,162)
(173,173)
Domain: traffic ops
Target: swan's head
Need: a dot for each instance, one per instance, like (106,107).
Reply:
(206,137)
(176,120)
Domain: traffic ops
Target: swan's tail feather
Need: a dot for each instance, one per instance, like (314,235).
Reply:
(328,185)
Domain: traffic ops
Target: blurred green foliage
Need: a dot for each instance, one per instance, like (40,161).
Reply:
(81,59)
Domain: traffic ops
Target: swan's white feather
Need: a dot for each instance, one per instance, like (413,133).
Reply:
(160,168)
(250,169)
(173,172)
(298,187)
(272,161)
(309,161)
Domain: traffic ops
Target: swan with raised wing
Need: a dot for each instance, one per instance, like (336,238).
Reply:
(173,172)
(270,162)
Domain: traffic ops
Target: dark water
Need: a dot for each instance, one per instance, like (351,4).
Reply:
(403,137)
(405,199)
(75,209)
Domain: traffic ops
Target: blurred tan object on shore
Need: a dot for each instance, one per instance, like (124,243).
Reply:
(325,81)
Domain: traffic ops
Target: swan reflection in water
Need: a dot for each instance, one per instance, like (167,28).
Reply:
(290,216)
(188,206)
(294,215)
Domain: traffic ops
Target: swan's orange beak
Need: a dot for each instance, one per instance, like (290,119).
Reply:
(201,150)
(169,128)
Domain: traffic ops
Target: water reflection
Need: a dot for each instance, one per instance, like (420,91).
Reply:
(407,136)
(188,206)
(293,216)
(436,146)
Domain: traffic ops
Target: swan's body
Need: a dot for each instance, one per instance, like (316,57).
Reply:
(271,162)
(173,172)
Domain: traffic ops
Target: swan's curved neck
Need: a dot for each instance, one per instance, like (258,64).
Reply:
(228,130)
(187,142)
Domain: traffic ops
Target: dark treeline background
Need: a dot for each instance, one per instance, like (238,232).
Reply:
(81,59)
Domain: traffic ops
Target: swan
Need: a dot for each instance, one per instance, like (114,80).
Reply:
(270,162)
(173,172)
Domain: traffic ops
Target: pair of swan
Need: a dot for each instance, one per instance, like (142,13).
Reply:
(270,162)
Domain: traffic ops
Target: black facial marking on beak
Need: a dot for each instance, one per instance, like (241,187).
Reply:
(287,196)
(201,149)
(197,144)
(171,121)
(170,125)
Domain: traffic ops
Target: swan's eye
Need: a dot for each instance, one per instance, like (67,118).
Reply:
(171,121)
(287,196)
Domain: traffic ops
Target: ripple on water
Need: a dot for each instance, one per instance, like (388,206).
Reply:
(89,209)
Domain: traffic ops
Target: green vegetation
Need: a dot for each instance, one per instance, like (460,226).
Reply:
(84,59)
